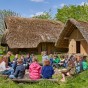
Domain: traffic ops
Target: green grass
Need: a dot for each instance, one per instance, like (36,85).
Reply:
(78,81)
(1,52)
(39,57)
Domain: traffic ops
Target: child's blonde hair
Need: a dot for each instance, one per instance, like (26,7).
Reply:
(19,61)
(46,62)
(51,55)
(35,59)
(9,53)
(78,58)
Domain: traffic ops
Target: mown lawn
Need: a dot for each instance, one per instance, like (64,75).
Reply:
(78,81)
(39,57)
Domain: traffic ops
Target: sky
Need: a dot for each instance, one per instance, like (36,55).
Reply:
(27,8)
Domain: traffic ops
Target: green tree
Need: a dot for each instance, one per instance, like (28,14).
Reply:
(45,15)
(72,11)
(3,15)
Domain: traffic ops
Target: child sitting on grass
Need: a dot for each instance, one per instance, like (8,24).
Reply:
(56,61)
(20,70)
(70,70)
(84,63)
(47,70)
(4,68)
(3,63)
(27,61)
(14,63)
(35,69)
(51,59)
(78,64)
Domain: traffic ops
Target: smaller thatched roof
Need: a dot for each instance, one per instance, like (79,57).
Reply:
(68,29)
(29,32)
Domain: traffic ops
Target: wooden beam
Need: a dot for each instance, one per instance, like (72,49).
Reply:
(67,38)
(4,76)
(33,81)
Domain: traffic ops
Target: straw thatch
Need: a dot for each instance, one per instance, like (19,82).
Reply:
(29,32)
(71,24)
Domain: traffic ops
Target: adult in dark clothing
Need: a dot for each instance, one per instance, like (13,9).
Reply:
(8,56)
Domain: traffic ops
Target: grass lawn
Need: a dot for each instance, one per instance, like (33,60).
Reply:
(39,57)
(78,81)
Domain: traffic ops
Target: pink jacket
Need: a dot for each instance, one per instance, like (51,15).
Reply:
(34,71)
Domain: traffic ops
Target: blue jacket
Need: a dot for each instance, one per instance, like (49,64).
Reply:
(20,71)
(47,72)
(51,61)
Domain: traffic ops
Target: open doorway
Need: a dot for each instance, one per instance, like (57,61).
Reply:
(77,46)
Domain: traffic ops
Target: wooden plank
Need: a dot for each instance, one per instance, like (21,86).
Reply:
(3,75)
(67,38)
(33,81)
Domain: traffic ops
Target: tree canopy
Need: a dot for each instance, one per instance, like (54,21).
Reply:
(3,14)
(45,15)
(72,11)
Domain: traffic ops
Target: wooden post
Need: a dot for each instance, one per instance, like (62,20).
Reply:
(49,48)
(39,49)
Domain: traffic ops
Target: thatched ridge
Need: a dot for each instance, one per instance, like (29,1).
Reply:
(71,24)
(29,32)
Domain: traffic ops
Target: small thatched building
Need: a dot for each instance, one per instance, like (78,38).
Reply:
(31,35)
(74,36)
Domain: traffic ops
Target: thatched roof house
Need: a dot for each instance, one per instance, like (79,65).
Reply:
(29,33)
(74,36)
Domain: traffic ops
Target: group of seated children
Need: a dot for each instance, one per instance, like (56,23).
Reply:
(74,64)
(16,69)
(69,64)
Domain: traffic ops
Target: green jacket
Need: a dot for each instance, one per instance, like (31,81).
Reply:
(85,65)
(57,60)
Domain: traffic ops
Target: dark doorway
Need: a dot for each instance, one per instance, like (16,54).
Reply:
(77,46)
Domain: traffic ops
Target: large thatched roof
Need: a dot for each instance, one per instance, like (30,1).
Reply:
(29,32)
(72,24)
